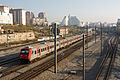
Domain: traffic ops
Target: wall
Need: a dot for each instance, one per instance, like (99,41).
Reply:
(17,37)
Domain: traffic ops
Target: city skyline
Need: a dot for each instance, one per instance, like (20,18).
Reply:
(86,10)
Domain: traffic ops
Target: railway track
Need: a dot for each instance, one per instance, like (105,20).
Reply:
(112,59)
(8,71)
(46,65)
(108,58)
(8,61)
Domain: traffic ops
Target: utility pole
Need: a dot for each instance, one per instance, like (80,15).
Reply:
(50,32)
(87,36)
(95,34)
(55,51)
(83,57)
(65,31)
(7,39)
(101,39)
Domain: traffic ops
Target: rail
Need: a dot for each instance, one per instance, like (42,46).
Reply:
(111,51)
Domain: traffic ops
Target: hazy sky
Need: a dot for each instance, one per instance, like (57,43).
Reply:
(85,10)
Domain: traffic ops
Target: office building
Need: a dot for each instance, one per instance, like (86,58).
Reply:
(29,17)
(42,15)
(19,16)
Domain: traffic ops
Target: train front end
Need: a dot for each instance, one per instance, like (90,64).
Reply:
(25,54)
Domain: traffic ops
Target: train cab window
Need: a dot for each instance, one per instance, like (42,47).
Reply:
(24,51)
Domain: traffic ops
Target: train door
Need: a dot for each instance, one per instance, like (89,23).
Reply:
(59,44)
(67,41)
(34,54)
(38,51)
(63,43)
(47,48)
(70,40)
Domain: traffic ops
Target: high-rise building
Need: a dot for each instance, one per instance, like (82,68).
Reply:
(5,16)
(42,15)
(29,17)
(19,16)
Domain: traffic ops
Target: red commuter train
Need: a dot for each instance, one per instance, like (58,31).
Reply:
(30,53)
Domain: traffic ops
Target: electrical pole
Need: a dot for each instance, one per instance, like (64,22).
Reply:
(50,32)
(55,52)
(83,57)
(7,39)
(87,36)
(101,39)
(65,31)
(95,34)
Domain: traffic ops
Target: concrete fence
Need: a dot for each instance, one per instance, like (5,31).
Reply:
(16,37)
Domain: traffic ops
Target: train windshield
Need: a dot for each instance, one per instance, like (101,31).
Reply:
(24,51)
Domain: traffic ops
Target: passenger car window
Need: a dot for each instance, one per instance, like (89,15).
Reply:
(39,51)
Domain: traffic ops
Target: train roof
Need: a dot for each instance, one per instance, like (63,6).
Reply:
(44,44)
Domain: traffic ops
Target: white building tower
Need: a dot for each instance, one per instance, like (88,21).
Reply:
(70,21)
(64,21)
